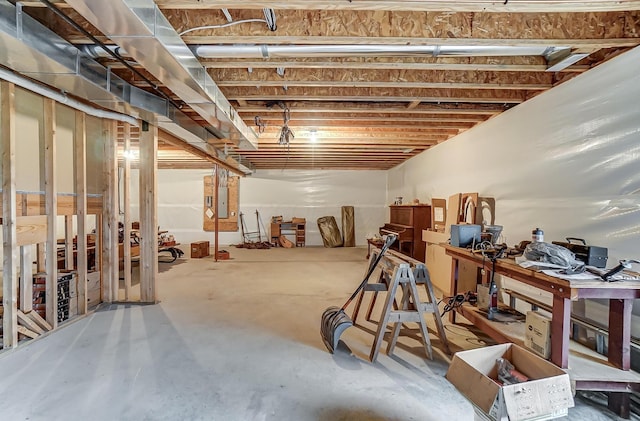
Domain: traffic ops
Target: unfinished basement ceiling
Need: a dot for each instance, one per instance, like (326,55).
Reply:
(373,83)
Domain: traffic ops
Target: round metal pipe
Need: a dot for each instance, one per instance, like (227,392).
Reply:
(64,99)
(273,51)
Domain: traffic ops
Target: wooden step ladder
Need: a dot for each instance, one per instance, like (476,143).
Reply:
(399,271)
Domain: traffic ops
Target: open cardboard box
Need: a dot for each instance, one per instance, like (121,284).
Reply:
(545,396)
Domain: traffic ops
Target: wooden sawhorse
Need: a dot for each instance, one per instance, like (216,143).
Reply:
(397,272)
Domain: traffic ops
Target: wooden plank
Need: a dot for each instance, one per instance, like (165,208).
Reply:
(505,64)
(26,332)
(595,43)
(51,207)
(620,333)
(148,213)
(31,229)
(127,212)
(516,6)
(110,262)
(39,320)
(381,84)
(530,6)
(68,242)
(40,257)
(29,323)
(26,278)
(9,233)
(355,107)
(229,224)
(80,147)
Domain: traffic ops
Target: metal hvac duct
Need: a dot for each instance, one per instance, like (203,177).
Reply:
(145,33)
(281,51)
(33,50)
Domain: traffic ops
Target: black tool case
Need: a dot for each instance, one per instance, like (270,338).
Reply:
(590,255)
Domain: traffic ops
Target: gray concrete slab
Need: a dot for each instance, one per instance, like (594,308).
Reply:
(234,340)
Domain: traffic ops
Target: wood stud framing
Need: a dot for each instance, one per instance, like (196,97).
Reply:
(110,262)
(51,207)
(38,214)
(9,236)
(127,211)
(148,213)
(80,144)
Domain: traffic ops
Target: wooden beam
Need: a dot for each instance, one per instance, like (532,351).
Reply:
(473,64)
(51,208)
(68,242)
(80,147)
(26,332)
(29,323)
(382,84)
(451,96)
(588,43)
(148,213)
(356,107)
(110,262)
(26,278)
(515,6)
(9,235)
(39,320)
(31,230)
(413,104)
(379,78)
(127,211)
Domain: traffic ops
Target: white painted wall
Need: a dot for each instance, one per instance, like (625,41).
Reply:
(303,194)
(566,161)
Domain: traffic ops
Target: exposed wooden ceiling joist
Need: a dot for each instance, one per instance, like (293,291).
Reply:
(375,112)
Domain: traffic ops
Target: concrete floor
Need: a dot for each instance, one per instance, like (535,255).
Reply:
(235,340)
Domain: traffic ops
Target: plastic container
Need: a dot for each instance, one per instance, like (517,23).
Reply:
(537,235)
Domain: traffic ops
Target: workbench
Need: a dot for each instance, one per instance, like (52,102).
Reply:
(297,228)
(613,374)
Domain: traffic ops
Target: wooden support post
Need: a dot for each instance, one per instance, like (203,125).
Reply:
(26,279)
(561,317)
(148,213)
(215,210)
(80,143)
(110,261)
(68,242)
(51,209)
(9,235)
(620,333)
(40,255)
(127,212)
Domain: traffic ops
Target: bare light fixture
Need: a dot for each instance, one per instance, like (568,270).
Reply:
(313,136)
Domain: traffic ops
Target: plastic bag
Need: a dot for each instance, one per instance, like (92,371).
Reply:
(508,374)
(553,253)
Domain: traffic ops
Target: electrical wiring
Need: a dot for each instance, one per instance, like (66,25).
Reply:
(223,25)
(269,19)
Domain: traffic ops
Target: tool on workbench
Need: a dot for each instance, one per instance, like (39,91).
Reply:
(493,255)
(609,276)
(334,319)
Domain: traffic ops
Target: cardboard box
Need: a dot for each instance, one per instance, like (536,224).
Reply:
(537,334)
(439,264)
(483,297)
(547,395)
(199,249)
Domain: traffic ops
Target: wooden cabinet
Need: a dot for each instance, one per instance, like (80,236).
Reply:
(415,218)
